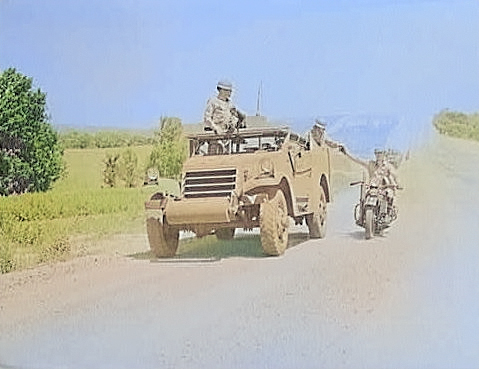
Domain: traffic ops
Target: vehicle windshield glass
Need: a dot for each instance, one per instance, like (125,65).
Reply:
(236,144)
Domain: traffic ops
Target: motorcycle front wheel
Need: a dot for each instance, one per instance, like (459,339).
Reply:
(369,223)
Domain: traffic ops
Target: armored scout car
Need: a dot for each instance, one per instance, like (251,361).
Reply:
(253,177)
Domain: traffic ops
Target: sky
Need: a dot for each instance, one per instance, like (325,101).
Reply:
(126,63)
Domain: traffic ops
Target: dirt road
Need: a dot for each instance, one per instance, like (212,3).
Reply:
(406,300)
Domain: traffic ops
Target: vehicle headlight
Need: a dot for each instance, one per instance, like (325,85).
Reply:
(266,167)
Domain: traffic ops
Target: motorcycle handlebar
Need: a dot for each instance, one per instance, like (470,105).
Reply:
(381,186)
(356,183)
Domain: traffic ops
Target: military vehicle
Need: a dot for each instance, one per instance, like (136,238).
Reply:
(252,177)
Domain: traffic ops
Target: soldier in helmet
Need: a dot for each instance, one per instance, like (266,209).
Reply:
(379,170)
(220,114)
(318,133)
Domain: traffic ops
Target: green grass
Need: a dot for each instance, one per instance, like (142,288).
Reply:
(39,227)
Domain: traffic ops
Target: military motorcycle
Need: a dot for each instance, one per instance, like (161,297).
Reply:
(375,211)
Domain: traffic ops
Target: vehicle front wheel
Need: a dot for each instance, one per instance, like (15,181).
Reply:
(369,223)
(274,225)
(162,238)
(317,221)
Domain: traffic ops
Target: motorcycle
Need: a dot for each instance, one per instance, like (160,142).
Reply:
(375,211)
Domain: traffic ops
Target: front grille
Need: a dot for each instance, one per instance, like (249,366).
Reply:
(209,183)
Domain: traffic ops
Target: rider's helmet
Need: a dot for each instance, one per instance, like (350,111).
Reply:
(224,85)
(380,154)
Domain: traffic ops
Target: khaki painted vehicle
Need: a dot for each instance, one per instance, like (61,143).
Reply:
(254,177)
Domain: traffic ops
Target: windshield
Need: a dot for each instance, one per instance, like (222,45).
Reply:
(213,144)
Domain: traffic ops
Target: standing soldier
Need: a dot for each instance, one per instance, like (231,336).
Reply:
(220,114)
(318,132)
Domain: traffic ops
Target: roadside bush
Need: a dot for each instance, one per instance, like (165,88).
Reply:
(129,167)
(110,173)
(457,124)
(170,149)
(30,155)
(7,263)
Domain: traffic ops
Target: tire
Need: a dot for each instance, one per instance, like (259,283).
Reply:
(162,238)
(317,221)
(274,225)
(225,233)
(369,223)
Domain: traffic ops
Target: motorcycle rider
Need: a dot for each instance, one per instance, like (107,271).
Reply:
(221,115)
(380,171)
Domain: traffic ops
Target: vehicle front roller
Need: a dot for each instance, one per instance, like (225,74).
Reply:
(317,221)
(225,233)
(274,225)
(163,239)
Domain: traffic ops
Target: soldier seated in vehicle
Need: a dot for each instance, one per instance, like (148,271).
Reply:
(221,115)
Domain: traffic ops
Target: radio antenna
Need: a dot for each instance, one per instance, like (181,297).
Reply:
(258,100)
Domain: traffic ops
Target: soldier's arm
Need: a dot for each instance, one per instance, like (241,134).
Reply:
(332,144)
(208,117)
(240,115)
(363,163)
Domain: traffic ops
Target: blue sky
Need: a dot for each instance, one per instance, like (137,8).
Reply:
(125,63)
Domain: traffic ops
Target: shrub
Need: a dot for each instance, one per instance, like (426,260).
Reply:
(170,149)
(129,167)
(457,124)
(30,156)
(110,172)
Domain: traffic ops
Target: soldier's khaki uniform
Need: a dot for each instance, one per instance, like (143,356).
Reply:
(382,173)
(220,115)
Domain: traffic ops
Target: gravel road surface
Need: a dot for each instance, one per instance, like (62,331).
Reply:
(405,300)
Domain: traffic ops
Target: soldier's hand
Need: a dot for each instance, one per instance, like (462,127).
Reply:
(342,149)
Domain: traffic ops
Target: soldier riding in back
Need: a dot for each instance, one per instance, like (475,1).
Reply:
(221,116)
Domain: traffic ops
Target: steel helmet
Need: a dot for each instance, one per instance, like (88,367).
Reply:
(224,85)
(320,125)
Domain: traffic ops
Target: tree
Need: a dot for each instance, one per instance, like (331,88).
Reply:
(30,155)
(170,150)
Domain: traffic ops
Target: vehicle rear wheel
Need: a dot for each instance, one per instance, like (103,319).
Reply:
(163,239)
(274,225)
(369,223)
(317,221)
(225,233)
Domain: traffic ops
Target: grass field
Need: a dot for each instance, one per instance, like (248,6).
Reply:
(41,227)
